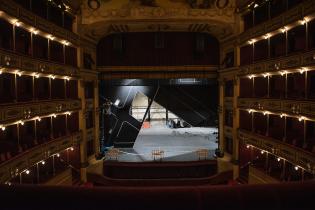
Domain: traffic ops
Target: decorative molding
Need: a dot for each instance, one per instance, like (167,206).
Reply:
(171,16)
(13,62)
(12,112)
(283,63)
(295,107)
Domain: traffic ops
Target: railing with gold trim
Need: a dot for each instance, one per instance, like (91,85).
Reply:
(12,62)
(295,14)
(17,164)
(15,10)
(282,63)
(294,107)
(28,110)
(290,153)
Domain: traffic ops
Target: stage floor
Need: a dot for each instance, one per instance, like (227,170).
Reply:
(178,144)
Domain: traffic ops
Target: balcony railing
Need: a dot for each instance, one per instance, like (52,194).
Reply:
(293,107)
(25,16)
(278,64)
(12,62)
(294,155)
(12,112)
(14,166)
(292,15)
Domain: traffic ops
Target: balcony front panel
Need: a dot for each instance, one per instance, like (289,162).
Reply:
(25,111)
(294,155)
(11,168)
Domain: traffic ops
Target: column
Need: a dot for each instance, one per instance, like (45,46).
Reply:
(82,126)
(221,115)
(96,117)
(236,116)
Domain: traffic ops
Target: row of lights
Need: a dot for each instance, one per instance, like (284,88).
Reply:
(35,31)
(43,162)
(300,118)
(282,73)
(34,74)
(296,167)
(282,30)
(21,122)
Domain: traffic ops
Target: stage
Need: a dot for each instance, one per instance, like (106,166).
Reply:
(180,144)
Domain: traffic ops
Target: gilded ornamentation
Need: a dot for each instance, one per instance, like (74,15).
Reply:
(178,15)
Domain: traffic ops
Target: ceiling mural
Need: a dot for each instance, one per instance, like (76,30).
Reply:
(102,17)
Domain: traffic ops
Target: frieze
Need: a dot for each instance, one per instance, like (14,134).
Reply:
(154,12)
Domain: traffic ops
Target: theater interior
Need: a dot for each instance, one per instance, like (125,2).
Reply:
(157,104)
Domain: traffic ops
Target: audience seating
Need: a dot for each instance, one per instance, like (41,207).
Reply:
(288,196)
